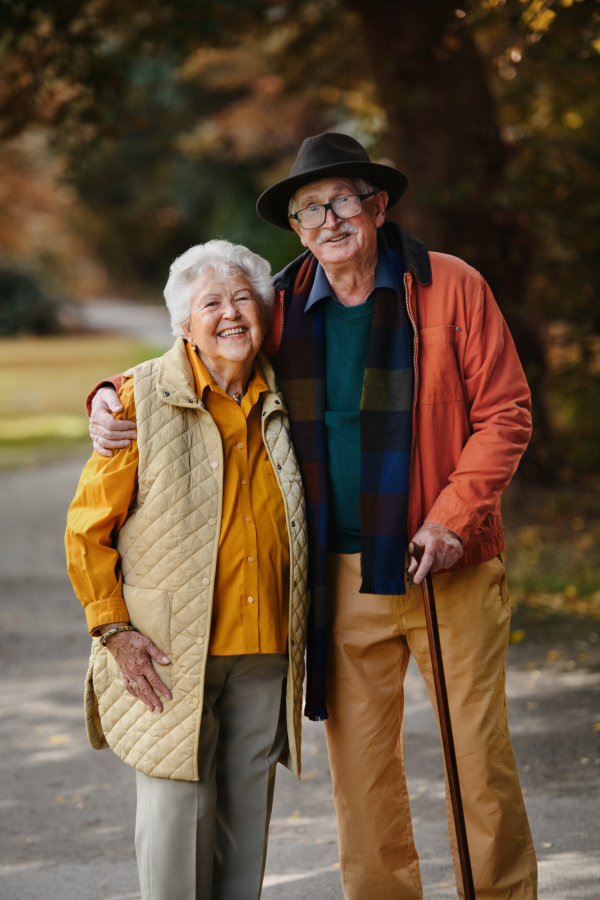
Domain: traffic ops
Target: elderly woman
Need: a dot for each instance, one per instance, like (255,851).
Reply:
(187,551)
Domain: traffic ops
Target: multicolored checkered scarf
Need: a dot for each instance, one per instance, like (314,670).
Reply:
(385,426)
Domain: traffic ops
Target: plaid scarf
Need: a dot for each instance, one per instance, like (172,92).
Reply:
(385,426)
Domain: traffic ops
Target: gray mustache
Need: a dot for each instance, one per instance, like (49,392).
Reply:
(343,228)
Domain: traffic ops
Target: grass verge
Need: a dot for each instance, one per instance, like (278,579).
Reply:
(553,547)
(43,386)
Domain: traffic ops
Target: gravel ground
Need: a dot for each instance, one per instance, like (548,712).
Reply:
(67,812)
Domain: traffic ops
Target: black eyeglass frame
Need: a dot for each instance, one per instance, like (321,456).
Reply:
(329,205)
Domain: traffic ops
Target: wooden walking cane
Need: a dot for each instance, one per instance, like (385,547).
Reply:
(445,726)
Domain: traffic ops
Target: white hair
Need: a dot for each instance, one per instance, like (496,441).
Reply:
(359,186)
(226,260)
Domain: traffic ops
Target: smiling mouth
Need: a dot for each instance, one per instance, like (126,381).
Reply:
(338,238)
(232,332)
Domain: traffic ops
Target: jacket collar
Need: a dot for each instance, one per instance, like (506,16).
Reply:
(414,253)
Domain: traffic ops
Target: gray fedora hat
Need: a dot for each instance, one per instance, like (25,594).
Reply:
(322,156)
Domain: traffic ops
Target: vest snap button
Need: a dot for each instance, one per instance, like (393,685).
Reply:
(166,394)
(206,581)
(212,521)
(200,640)
(195,701)
(277,403)
(214,465)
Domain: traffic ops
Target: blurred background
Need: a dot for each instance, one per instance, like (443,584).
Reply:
(132,129)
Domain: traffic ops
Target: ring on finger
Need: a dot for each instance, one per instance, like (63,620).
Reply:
(132,684)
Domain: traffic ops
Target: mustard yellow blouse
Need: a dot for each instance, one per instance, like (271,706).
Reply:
(250,607)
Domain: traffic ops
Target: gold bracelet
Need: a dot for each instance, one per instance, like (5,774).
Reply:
(114,631)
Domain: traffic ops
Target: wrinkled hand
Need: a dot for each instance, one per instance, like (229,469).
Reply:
(442,548)
(108,433)
(133,653)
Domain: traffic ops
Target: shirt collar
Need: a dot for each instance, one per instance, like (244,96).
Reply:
(204,380)
(384,277)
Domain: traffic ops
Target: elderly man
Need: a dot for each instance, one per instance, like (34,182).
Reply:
(410,412)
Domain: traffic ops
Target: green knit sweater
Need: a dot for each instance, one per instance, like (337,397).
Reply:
(347,338)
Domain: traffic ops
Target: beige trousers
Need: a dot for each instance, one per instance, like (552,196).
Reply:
(207,839)
(370,641)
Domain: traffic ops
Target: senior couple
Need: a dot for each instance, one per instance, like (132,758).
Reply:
(388,387)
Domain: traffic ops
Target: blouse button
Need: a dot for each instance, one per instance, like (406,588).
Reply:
(244,482)
(250,559)
(250,599)
(247,519)
(241,446)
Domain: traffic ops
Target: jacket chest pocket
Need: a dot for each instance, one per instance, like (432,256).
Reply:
(439,378)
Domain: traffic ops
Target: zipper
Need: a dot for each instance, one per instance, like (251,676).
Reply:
(416,372)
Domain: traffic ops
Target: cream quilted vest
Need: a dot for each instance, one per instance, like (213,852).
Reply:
(168,547)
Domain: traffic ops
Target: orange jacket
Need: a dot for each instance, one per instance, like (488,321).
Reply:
(472,409)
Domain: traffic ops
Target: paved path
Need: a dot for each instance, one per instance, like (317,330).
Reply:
(145,323)
(67,812)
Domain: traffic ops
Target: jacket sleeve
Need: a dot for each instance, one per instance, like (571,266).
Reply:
(115,381)
(499,403)
(272,338)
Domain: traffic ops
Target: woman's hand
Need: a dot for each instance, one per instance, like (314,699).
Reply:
(108,433)
(133,653)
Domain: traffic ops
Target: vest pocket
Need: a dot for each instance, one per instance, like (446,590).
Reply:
(439,378)
(150,614)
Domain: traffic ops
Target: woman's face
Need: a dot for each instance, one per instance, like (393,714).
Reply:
(227,323)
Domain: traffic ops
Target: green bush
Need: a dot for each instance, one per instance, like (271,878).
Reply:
(25,307)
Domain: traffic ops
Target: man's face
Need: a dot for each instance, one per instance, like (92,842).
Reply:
(340,240)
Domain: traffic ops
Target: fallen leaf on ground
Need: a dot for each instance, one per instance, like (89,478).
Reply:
(59,738)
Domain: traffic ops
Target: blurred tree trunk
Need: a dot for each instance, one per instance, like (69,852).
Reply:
(444,134)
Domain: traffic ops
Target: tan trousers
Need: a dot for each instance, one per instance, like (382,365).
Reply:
(207,839)
(370,641)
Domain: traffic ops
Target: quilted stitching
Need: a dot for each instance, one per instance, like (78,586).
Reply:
(168,543)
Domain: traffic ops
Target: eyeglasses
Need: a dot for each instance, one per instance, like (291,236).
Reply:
(343,207)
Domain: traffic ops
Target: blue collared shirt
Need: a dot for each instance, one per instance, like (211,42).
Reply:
(384,277)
